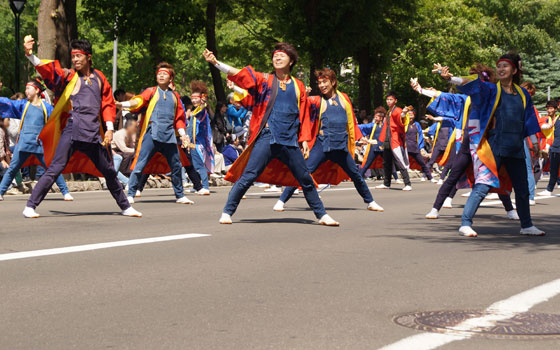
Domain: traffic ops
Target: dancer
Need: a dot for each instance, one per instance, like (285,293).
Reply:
(552,146)
(279,121)
(394,144)
(200,134)
(333,150)
(374,148)
(83,94)
(457,106)
(415,143)
(163,118)
(502,116)
(33,113)
(444,128)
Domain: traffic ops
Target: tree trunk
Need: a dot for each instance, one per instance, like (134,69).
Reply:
(316,53)
(378,89)
(364,79)
(56,28)
(211,45)
(154,47)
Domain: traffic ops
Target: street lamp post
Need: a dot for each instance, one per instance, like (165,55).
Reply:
(17,8)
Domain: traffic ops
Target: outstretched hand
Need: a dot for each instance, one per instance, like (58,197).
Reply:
(28,43)
(443,71)
(209,57)
(415,85)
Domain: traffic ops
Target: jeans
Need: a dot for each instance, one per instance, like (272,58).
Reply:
(517,171)
(117,160)
(17,161)
(198,164)
(340,157)
(372,156)
(149,148)
(263,153)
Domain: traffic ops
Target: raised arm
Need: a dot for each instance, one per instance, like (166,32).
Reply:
(210,58)
(11,108)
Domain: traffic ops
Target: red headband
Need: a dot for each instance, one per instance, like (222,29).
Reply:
(164,70)
(79,51)
(283,51)
(35,86)
(323,77)
(508,61)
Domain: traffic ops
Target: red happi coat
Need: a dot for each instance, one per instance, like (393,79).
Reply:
(146,103)
(329,172)
(258,88)
(62,82)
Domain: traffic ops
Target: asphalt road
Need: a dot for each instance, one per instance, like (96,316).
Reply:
(270,280)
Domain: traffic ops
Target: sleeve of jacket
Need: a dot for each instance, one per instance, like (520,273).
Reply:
(108,108)
(180,116)
(305,130)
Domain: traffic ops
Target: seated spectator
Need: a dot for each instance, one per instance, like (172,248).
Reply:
(235,112)
(231,151)
(218,124)
(123,145)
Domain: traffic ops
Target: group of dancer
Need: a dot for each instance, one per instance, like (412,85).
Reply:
(294,140)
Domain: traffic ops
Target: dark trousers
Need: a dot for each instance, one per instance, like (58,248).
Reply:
(98,155)
(554,167)
(420,160)
(461,162)
(448,165)
(372,156)
(388,168)
(435,154)
(191,171)
(340,157)
(264,152)
(517,171)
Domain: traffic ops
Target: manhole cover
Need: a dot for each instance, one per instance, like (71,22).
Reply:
(527,325)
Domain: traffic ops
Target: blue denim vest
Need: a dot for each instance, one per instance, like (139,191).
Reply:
(556,143)
(506,139)
(163,118)
(33,123)
(334,122)
(284,118)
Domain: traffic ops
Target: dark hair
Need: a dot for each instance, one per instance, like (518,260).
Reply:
(290,51)
(167,66)
(129,121)
(132,116)
(219,106)
(118,92)
(552,103)
(516,60)
(329,74)
(36,83)
(229,139)
(393,94)
(484,72)
(186,101)
(379,109)
(82,45)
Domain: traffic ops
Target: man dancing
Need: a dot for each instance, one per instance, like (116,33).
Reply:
(73,140)
(280,120)
(337,130)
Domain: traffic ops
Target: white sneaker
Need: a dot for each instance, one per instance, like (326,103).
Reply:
(382,187)
(492,196)
(532,202)
(433,214)
(203,192)
(407,188)
(279,206)
(399,181)
(130,200)
(138,194)
(30,213)
(375,207)
(512,215)
(328,221)
(1,198)
(68,197)
(184,200)
(261,185)
(273,189)
(544,193)
(440,182)
(296,191)
(558,186)
(467,231)
(423,179)
(131,212)
(468,194)
(434,180)
(531,231)
(225,219)
(448,203)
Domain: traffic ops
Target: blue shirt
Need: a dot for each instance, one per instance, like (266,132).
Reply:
(162,119)
(334,122)
(556,143)
(33,123)
(366,131)
(284,118)
(230,154)
(506,139)
(236,115)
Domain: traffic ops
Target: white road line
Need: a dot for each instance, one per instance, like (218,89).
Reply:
(95,246)
(492,203)
(499,311)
